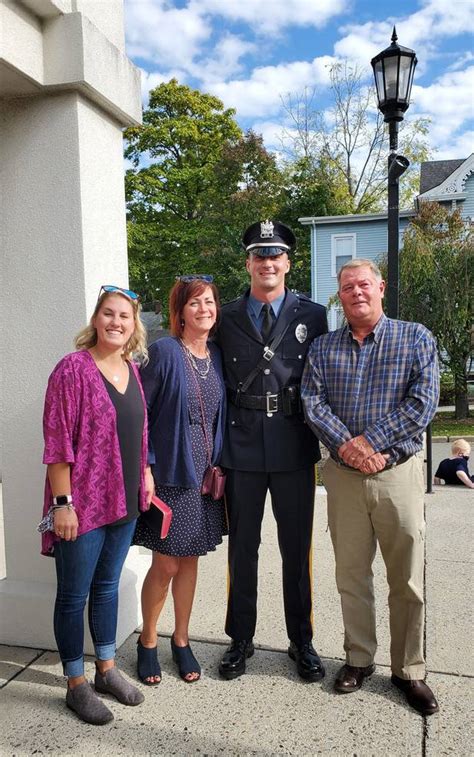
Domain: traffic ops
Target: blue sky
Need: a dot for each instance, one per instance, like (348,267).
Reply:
(251,53)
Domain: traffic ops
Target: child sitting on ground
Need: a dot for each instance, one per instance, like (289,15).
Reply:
(454,470)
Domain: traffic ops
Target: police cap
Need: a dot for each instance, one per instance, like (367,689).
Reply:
(268,239)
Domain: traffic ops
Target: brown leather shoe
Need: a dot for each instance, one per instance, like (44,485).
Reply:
(350,678)
(418,695)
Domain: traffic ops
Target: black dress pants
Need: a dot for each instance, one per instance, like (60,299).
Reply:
(292,494)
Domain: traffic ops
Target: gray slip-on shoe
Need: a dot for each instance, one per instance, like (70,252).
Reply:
(112,682)
(86,704)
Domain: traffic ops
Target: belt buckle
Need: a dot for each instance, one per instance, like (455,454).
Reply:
(272,404)
(267,353)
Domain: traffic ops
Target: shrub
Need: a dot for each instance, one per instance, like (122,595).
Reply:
(446,388)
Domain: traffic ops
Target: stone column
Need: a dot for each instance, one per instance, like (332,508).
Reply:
(67,91)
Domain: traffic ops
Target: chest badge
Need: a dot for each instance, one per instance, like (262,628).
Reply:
(301,332)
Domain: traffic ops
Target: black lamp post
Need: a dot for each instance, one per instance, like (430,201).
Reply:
(394,68)
(393,71)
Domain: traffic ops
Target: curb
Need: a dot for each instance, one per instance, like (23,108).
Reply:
(450,438)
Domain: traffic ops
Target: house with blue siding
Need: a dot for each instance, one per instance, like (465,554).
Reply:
(337,239)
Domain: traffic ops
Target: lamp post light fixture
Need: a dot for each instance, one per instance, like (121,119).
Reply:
(394,68)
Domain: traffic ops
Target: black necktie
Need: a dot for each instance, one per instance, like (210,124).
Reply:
(267,322)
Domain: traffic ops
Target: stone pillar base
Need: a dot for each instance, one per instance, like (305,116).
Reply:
(27,608)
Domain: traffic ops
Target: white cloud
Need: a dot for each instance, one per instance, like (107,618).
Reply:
(161,33)
(224,61)
(268,16)
(456,147)
(188,43)
(271,132)
(420,30)
(448,102)
(462,61)
(260,95)
(165,35)
(151,79)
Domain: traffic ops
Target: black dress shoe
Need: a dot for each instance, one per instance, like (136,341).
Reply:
(418,695)
(308,663)
(232,664)
(350,678)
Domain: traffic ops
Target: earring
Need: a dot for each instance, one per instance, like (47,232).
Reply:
(182,322)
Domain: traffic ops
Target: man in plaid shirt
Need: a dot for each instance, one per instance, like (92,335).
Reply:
(369,390)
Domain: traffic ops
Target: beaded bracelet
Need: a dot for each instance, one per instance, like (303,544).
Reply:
(47,523)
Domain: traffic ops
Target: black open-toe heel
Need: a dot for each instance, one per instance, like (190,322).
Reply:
(148,665)
(186,662)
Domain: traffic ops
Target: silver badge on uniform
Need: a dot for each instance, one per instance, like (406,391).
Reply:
(301,332)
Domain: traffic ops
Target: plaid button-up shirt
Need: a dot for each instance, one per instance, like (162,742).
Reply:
(386,388)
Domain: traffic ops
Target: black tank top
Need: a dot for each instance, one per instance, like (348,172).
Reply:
(130,418)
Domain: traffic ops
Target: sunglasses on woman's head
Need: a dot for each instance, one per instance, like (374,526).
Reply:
(193,276)
(111,288)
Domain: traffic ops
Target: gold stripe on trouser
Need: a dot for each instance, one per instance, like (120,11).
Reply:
(310,557)
(228,528)
(387,507)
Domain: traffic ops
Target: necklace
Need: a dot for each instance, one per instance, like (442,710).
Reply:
(108,372)
(192,359)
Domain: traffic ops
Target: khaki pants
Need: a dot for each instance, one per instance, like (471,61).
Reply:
(387,507)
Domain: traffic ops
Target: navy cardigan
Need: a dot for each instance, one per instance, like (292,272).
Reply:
(169,436)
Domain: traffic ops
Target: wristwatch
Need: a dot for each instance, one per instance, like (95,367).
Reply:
(62,499)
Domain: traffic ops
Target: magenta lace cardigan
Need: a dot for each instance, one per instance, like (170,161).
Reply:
(79,426)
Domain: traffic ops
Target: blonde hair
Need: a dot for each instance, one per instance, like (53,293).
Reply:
(359,263)
(136,347)
(460,445)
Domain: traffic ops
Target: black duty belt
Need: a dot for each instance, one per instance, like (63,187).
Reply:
(286,401)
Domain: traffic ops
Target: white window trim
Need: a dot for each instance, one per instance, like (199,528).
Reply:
(333,249)
(333,316)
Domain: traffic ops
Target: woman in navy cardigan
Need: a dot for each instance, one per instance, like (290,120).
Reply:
(185,394)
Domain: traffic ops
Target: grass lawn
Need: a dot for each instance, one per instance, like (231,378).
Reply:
(444,424)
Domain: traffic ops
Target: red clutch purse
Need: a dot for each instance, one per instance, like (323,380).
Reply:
(158,517)
(214,482)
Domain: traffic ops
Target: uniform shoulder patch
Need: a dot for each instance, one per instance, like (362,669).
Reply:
(303,297)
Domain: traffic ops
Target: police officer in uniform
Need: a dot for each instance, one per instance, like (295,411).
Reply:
(264,337)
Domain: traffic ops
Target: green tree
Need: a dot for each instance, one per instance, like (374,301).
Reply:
(437,287)
(196,184)
(309,188)
(250,186)
(173,186)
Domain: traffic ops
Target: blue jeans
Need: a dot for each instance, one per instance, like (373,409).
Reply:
(90,566)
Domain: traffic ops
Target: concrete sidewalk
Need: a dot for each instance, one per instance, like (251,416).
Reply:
(270,711)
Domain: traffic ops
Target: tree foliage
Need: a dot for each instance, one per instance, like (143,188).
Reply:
(437,287)
(171,199)
(196,184)
(250,189)
(309,188)
(197,181)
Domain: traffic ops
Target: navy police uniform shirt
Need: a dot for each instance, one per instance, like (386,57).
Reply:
(255,441)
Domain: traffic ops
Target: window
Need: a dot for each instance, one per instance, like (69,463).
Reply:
(343,249)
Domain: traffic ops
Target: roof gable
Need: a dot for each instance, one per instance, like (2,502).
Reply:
(455,173)
(434,172)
